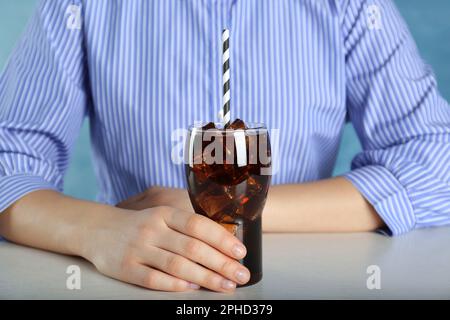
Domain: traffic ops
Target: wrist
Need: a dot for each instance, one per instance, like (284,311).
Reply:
(94,227)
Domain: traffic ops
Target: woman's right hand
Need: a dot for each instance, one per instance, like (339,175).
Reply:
(163,248)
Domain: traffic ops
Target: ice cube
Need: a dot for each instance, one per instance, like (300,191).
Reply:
(253,186)
(202,172)
(209,125)
(213,204)
(235,227)
(230,227)
(237,124)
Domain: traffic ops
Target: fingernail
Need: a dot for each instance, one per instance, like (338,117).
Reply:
(238,251)
(193,286)
(242,276)
(228,285)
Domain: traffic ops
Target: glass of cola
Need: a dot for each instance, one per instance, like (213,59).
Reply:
(228,172)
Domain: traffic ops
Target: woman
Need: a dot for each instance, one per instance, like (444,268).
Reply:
(140,70)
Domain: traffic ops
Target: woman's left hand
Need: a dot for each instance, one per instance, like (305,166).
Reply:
(158,196)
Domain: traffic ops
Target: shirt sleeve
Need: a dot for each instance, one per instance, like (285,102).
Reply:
(401,119)
(42,102)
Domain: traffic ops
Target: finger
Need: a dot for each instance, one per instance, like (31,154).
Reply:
(187,270)
(200,252)
(206,230)
(150,278)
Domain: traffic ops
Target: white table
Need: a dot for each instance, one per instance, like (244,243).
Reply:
(296,266)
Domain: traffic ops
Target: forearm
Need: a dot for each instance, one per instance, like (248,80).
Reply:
(161,248)
(331,205)
(51,221)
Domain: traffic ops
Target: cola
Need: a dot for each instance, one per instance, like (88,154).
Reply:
(228,172)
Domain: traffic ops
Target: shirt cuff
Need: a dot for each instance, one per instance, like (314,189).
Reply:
(14,187)
(387,195)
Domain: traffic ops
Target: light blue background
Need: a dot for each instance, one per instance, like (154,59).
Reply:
(428,20)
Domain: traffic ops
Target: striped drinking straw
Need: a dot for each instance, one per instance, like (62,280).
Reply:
(225,112)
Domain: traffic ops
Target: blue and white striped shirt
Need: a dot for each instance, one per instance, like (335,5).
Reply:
(140,69)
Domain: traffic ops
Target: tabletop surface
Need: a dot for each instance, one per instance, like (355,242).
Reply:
(296,266)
